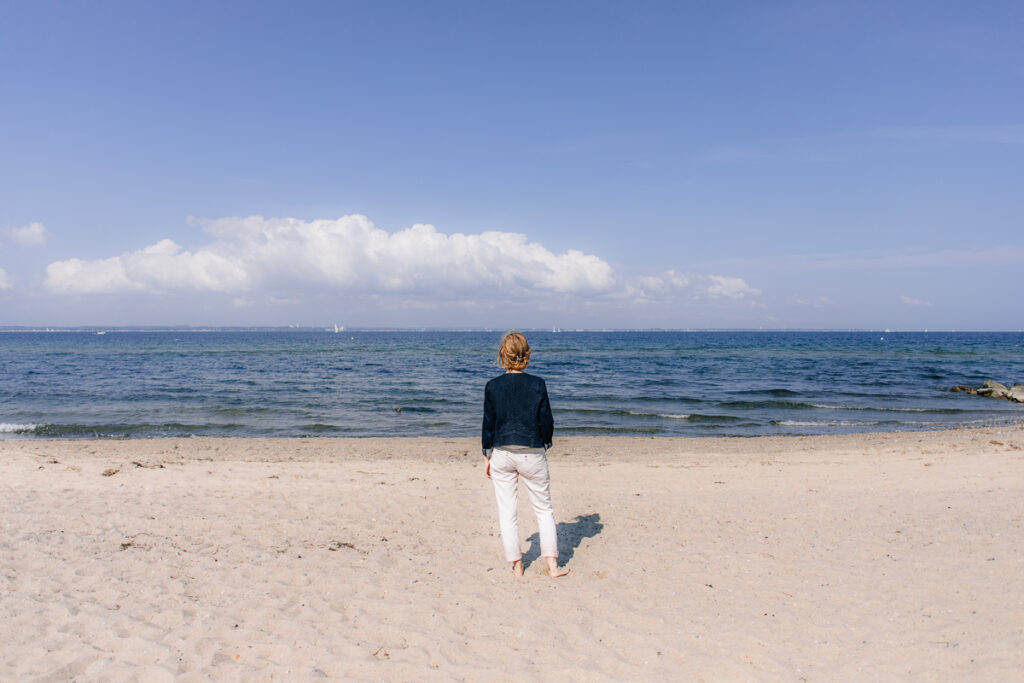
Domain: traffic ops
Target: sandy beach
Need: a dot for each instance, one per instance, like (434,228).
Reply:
(855,557)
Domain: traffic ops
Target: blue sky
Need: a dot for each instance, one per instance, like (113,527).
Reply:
(529,164)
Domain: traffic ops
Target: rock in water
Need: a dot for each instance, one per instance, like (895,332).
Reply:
(994,389)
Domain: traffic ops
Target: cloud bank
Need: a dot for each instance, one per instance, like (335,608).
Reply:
(347,254)
(31,235)
(5,280)
(256,255)
(672,283)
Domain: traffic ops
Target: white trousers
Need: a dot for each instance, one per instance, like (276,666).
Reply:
(506,471)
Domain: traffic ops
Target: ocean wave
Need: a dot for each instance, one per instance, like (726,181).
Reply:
(790,405)
(697,417)
(823,423)
(610,430)
(770,392)
(319,427)
(15,428)
(124,431)
(801,405)
(668,416)
(715,429)
(693,417)
(240,412)
(672,398)
(638,399)
(605,412)
(825,406)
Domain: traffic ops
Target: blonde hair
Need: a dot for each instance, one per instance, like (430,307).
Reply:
(514,353)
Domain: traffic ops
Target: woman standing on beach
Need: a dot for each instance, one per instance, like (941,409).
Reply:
(517,417)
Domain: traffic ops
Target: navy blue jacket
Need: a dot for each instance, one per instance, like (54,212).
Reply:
(516,412)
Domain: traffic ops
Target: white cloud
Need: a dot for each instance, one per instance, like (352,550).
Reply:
(31,235)
(667,282)
(163,266)
(732,287)
(345,254)
(75,276)
(695,286)
(280,258)
(911,301)
(5,280)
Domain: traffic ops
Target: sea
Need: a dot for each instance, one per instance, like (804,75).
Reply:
(361,383)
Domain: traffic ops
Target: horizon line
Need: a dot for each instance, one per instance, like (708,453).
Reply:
(556,330)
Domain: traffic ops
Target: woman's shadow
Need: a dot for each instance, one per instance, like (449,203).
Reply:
(570,536)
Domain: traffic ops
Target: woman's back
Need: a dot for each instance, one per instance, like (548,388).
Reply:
(517,412)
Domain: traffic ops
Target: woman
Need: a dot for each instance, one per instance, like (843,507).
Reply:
(517,417)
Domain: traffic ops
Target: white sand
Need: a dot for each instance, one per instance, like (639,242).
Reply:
(893,556)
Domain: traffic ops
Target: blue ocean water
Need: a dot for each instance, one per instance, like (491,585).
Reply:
(319,383)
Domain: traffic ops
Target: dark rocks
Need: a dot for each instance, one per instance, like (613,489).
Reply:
(993,389)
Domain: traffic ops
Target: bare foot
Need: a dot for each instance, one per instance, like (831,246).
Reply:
(554,571)
(517,567)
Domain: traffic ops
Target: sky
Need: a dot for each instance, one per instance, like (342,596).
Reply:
(580,164)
